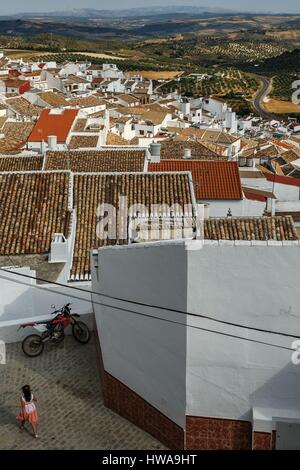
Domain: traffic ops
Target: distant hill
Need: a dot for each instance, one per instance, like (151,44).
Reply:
(127,13)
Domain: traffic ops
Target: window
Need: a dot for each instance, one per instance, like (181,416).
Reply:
(142,132)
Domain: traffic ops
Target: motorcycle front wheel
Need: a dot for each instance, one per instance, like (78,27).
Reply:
(33,346)
(81,332)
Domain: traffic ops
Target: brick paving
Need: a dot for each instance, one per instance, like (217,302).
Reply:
(66,382)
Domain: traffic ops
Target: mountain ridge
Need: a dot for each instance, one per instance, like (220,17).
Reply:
(124,13)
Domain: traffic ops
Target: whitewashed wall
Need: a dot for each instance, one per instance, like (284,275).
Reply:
(241,208)
(186,370)
(256,286)
(22,302)
(146,354)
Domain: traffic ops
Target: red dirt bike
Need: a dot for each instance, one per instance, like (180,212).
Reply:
(54,331)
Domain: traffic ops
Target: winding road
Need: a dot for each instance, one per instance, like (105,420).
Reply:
(260,95)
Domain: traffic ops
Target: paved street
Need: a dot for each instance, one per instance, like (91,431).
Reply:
(65,380)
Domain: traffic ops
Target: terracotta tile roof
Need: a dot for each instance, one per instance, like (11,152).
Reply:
(289,156)
(34,73)
(134,141)
(53,124)
(114,139)
(15,136)
(248,143)
(154,117)
(270,151)
(75,79)
(80,125)
(128,98)
(91,190)
(56,100)
(123,119)
(33,207)
(132,110)
(283,145)
(209,135)
(98,114)
(3,120)
(220,149)
(251,173)
(21,106)
(31,163)
(98,80)
(83,141)
(212,179)
(97,161)
(173,149)
(14,83)
(86,102)
(261,228)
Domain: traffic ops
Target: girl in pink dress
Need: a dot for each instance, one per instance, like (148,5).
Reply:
(28,411)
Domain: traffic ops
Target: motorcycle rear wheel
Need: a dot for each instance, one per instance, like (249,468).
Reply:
(33,346)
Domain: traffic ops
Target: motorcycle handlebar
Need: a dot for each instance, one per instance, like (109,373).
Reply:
(60,309)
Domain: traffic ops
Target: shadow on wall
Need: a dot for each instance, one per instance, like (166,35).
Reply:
(281,392)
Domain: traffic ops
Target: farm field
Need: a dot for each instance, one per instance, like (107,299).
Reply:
(100,55)
(240,51)
(285,35)
(230,83)
(282,86)
(156,75)
(281,107)
(17,54)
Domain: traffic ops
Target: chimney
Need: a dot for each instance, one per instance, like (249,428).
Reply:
(59,249)
(155,149)
(52,142)
(187,154)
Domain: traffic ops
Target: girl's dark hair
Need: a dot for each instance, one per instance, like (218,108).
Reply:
(26,392)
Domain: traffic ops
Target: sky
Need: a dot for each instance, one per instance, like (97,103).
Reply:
(17,6)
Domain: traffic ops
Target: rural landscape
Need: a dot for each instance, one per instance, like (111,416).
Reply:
(149,230)
(197,52)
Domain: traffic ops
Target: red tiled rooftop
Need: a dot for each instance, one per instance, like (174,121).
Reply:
(212,179)
(53,124)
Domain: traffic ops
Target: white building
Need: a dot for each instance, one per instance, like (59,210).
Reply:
(206,383)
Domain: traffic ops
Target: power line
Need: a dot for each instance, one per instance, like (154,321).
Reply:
(168,309)
(222,333)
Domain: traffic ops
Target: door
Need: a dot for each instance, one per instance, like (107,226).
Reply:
(287,436)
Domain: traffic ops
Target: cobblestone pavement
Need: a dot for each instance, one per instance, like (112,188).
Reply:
(66,382)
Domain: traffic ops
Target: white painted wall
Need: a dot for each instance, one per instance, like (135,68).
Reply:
(287,206)
(147,355)
(250,285)
(22,301)
(240,208)
(215,107)
(286,192)
(179,369)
